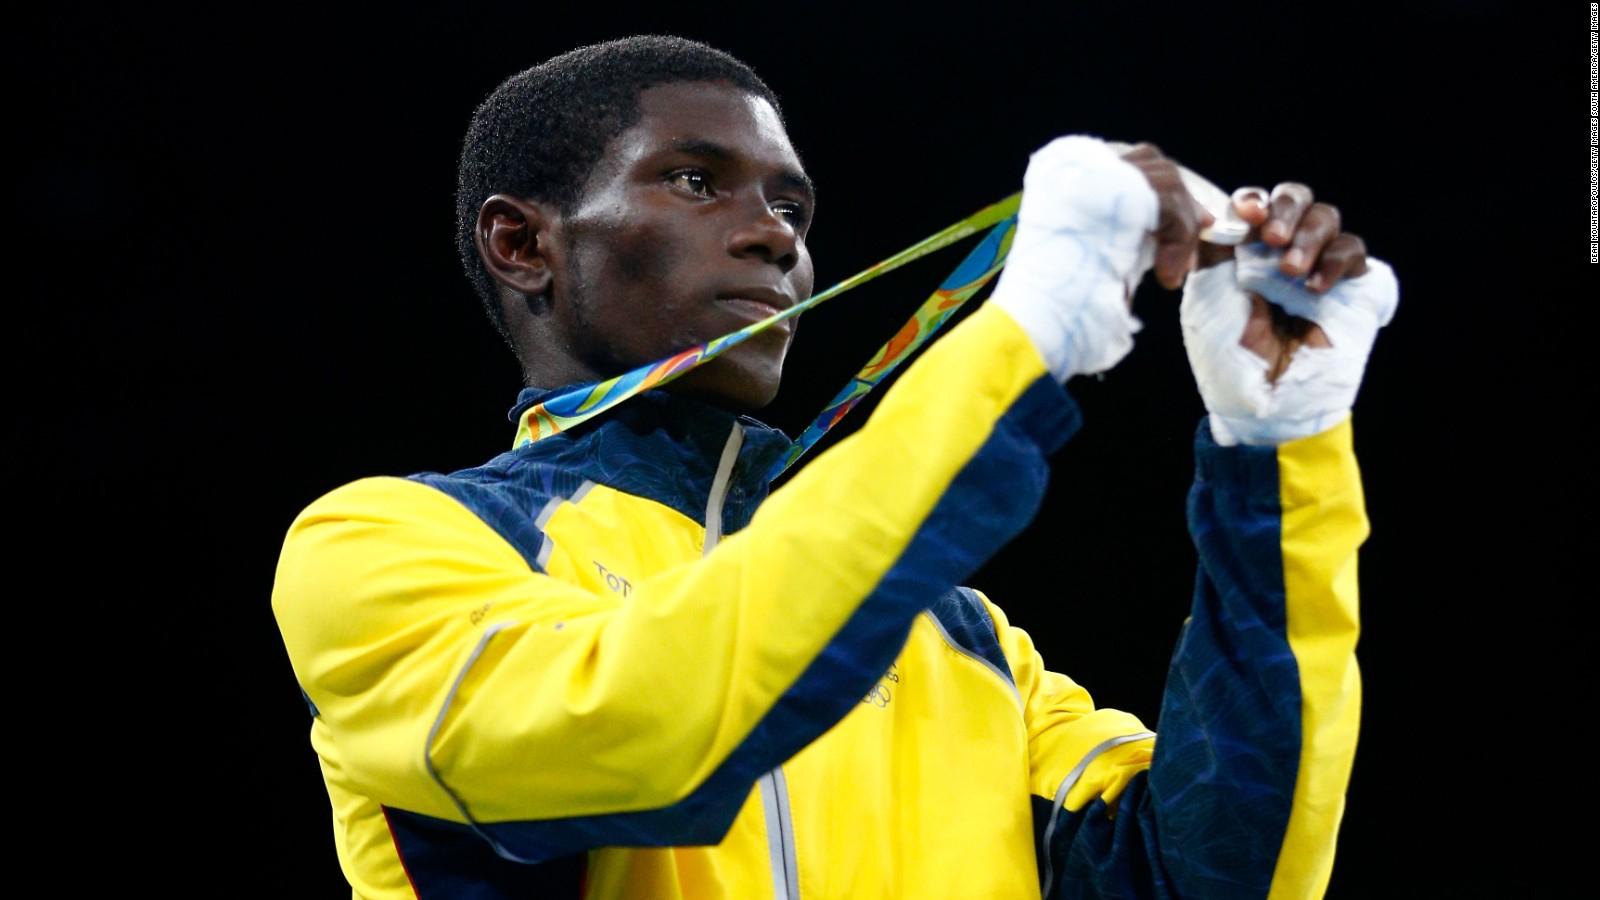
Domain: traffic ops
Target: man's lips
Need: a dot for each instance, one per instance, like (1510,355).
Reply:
(756,303)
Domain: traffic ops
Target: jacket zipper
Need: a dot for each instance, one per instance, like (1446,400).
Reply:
(774,788)
(719,486)
(780,835)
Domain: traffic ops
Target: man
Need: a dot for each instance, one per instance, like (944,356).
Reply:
(608,663)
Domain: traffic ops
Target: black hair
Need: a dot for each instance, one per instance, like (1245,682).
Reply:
(540,133)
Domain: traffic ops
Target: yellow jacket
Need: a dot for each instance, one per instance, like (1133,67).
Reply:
(609,664)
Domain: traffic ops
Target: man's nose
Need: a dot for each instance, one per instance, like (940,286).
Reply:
(766,235)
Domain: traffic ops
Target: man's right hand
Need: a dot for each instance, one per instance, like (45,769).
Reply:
(1179,217)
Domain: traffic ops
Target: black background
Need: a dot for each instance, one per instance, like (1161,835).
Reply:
(235,288)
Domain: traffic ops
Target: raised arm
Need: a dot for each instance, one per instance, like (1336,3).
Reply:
(1257,733)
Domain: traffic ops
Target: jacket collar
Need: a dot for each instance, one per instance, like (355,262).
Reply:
(664,447)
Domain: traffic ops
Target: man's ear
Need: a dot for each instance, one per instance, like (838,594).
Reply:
(514,239)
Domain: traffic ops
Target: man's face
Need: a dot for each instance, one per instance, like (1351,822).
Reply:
(692,225)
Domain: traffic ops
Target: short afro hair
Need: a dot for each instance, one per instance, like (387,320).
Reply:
(540,133)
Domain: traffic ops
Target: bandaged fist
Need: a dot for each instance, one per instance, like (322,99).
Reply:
(1278,340)
(1082,243)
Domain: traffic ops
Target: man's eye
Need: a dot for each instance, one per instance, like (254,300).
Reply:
(791,213)
(693,181)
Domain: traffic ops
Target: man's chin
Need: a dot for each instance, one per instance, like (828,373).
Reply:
(726,384)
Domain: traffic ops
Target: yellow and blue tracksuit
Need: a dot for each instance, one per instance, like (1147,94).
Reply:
(610,664)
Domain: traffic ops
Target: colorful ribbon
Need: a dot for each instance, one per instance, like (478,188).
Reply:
(567,409)
(981,264)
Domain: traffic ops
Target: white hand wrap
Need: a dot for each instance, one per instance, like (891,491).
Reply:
(1319,387)
(1082,243)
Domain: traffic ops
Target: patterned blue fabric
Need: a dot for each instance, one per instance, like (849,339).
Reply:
(448,861)
(1232,675)
(656,445)
(967,622)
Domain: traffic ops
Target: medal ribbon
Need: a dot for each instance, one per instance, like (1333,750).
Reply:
(564,410)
